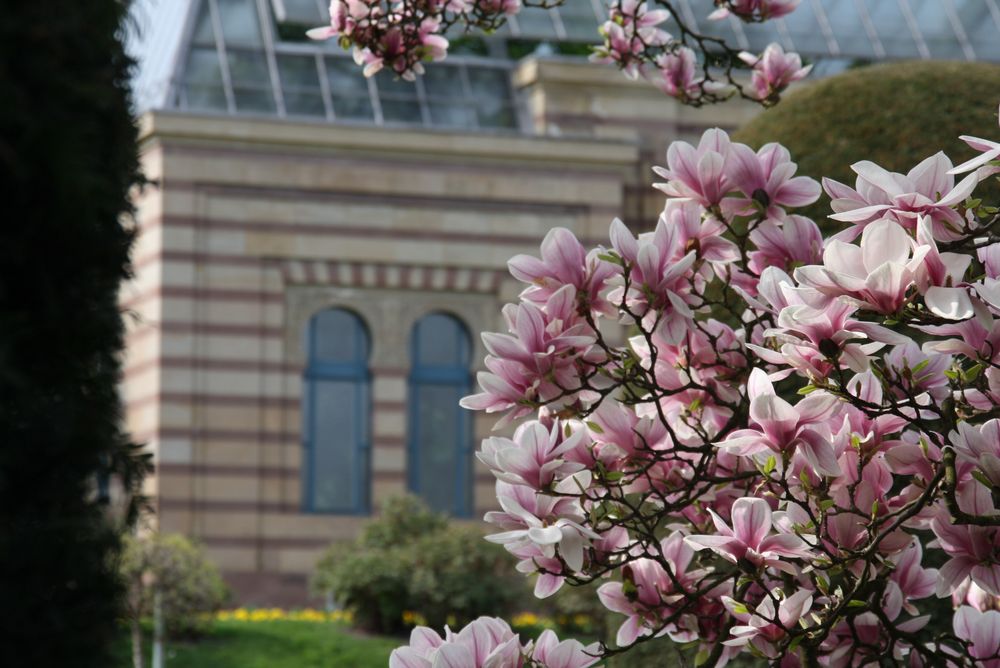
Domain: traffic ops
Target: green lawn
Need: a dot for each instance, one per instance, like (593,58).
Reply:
(275,644)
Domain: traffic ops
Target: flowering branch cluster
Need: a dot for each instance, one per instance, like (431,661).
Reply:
(694,68)
(793,427)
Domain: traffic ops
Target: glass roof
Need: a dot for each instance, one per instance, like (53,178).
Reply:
(250,56)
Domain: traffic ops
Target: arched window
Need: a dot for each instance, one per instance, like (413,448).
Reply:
(440,435)
(336,409)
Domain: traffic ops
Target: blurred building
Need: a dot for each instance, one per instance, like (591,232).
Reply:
(319,250)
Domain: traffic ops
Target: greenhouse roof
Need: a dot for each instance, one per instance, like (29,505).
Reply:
(251,57)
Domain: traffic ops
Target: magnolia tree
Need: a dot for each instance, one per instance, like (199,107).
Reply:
(794,428)
(400,35)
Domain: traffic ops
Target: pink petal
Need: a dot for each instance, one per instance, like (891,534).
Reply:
(751,519)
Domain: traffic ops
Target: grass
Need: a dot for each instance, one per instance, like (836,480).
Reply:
(274,644)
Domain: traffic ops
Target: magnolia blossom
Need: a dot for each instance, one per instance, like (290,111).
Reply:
(928,189)
(773,71)
(754,440)
(651,590)
(875,276)
(975,553)
(989,151)
(676,74)
(767,178)
(763,627)
(551,653)
(632,28)
(785,244)
(534,457)
(981,446)
(748,540)
(484,643)
(782,428)
(659,269)
(697,173)
(756,10)
(982,631)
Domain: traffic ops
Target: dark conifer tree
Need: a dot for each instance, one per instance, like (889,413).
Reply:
(68,161)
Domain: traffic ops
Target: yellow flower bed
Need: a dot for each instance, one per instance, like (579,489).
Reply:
(273,614)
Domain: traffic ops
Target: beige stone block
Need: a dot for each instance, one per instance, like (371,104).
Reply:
(389,388)
(174,520)
(389,423)
(234,558)
(176,413)
(389,460)
(268,418)
(174,451)
(299,560)
(230,524)
(209,487)
(311,526)
(386,489)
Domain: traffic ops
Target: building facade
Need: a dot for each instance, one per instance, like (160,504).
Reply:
(319,252)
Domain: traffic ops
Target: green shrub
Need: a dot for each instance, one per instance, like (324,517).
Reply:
(413,560)
(189,583)
(894,115)
(457,573)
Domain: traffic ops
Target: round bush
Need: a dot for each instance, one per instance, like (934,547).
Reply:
(894,115)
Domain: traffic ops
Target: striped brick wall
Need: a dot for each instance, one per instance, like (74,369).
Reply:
(257,225)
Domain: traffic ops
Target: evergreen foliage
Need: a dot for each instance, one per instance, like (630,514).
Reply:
(68,161)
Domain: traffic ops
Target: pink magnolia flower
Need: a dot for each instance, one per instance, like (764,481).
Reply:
(918,373)
(928,189)
(345,16)
(547,522)
(698,174)
(990,257)
(982,631)
(630,30)
(754,10)
(773,72)
(748,540)
(487,642)
(643,21)
(974,551)
(785,244)
(768,177)
(652,593)
(812,330)
(980,445)
(990,151)
(500,6)
(537,361)
(782,428)
(551,653)
(711,356)
(698,231)
(875,276)
(564,261)
(534,457)
(908,581)
(939,276)
(619,432)
(676,74)
(659,270)
(763,627)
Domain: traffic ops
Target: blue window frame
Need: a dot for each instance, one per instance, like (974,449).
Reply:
(336,414)
(440,431)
